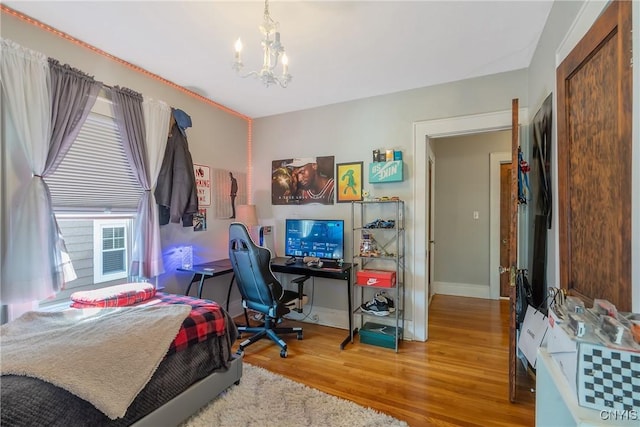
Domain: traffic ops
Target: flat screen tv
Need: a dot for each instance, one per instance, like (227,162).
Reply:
(322,238)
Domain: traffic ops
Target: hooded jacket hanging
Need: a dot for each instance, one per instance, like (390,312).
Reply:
(176,192)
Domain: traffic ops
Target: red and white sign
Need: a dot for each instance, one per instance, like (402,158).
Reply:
(203,184)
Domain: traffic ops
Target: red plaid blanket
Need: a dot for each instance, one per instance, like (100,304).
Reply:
(206,320)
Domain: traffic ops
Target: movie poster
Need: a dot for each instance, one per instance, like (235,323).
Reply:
(301,181)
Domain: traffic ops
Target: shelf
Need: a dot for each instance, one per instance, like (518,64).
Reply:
(398,285)
(377,228)
(358,312)
(388,245)
(366,202)
(383,257)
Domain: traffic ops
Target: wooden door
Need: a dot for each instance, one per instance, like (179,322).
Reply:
(594,161)
(505,221)
(513,250)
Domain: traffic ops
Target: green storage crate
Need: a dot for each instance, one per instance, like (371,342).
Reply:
(380,335)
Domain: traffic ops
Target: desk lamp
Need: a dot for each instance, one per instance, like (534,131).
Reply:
(247,215)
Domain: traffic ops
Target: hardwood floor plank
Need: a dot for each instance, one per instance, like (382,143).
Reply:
(459,377)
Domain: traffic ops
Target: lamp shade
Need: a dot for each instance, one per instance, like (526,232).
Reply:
(247,215)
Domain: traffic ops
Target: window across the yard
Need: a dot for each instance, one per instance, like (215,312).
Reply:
(110,250)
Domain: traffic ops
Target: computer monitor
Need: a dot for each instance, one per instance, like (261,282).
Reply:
(322,238)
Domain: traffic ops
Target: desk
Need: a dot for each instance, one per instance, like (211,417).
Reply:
(202,272)
(279,265)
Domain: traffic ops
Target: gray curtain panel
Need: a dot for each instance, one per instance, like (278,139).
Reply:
(73,94)
(127,106)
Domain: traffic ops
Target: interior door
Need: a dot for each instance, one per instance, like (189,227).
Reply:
(594,161)
(505,224)
(513,249)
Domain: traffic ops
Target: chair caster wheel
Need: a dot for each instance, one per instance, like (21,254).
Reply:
(299,336)
(283,354)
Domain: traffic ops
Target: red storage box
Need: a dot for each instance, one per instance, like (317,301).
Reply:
(378,278)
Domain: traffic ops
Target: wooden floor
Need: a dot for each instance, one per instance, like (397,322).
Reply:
(459,377)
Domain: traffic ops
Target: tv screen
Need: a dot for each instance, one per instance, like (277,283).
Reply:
(322,238)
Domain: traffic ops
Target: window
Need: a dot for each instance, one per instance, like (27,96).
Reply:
(95,175)
(110,250)
(95,196)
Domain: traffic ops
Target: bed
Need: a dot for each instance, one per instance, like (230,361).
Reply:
(198,365)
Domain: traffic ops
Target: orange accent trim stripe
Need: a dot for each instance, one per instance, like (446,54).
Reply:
(141,70)
(249,160)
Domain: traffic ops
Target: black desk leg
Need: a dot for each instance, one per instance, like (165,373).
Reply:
(200,286)
(193,279)
(352,331)
(233,276)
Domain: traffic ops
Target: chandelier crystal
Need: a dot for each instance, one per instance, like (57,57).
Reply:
(273,54)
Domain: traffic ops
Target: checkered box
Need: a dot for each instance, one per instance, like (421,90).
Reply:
(608,379)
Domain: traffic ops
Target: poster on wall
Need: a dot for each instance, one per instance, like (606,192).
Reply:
(301,181)
(203,184)
(349,182)
(200,220)
(229,191)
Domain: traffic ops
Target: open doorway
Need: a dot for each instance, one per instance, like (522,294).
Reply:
(424,132)
(467,230)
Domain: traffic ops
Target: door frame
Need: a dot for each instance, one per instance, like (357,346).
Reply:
(423,131)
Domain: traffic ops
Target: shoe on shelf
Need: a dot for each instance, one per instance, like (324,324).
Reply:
(384,297)
(376,307)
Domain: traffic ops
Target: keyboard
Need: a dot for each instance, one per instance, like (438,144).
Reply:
(331,265)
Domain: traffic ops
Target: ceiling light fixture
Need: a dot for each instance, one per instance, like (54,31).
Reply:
(273,54)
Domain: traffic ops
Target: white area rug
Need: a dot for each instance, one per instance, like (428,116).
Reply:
(265,399)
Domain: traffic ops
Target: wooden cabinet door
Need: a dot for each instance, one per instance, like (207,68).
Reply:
(594,161)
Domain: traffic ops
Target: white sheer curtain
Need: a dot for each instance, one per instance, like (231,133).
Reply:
(30,268)
(157,115)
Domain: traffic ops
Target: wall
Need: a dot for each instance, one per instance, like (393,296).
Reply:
(462,187)
(350,131)
(217,139)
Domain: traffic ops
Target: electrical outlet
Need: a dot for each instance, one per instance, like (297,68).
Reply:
(476,214)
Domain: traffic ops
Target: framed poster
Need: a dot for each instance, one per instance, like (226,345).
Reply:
(203,184)
(301,181)
(349,177)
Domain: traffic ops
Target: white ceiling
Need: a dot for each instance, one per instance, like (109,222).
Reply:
(338,50)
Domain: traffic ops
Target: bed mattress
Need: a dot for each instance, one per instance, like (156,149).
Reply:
(27,401)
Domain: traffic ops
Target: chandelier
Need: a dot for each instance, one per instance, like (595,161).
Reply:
(273,53)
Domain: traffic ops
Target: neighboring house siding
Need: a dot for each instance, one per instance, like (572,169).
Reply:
(78,236)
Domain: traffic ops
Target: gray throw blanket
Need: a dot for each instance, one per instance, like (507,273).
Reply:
(104,356)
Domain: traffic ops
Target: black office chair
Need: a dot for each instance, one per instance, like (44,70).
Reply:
(259,288)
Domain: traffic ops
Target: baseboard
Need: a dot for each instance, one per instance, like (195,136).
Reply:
(462,289)
(325,317)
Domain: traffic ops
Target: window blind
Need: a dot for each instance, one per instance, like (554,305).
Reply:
(95,174)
